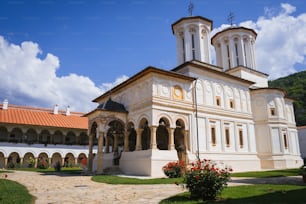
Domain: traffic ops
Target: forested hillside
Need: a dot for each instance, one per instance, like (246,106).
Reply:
(295,85)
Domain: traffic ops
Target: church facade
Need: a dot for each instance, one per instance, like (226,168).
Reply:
(225,112)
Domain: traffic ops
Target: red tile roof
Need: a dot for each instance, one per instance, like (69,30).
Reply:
(42,117)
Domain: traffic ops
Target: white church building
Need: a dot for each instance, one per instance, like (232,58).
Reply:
(224,112)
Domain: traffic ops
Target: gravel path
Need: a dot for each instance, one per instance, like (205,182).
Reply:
(57,189)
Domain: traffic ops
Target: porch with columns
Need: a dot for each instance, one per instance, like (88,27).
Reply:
(142,161)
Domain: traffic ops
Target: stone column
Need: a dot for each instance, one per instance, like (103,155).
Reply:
(232,53)
(126,141)
(115,148)
(100,153)
(153,144)
(21,162)
(106,145)
(76,162)
(90,155)
(138,140)
(171,138)
(186,140)
(242,57)
(224,55)
(35,164)
(62,162)
(5,162)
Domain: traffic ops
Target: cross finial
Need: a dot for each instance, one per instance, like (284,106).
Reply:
(230,18)
(190,8)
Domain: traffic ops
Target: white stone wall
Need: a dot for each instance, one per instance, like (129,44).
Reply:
(302,140)
(276,134)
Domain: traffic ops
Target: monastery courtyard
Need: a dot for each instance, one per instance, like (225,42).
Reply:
(58,189)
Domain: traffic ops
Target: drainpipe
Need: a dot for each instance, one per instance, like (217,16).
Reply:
(197,122)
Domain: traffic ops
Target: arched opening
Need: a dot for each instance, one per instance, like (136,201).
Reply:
(44,137)
(2,161)
(179,140)
(83,140)
(69,160)
(13,160)
(162,134)
(3,134)
(70,139)
(58,137)
(43,161)
(115,139)
(16,136)
(28,160)
(80,157)
(93,131)
(132,136)
(55,159)
(31,136)
(145,135)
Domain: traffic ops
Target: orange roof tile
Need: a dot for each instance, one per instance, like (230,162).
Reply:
(42,117)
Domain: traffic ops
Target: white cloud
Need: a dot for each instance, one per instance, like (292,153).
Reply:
(26,79)
(107,86)
(281,42)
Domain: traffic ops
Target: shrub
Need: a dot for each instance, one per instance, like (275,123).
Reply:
(174,169)
(31,162)
(58,166)
(206,180)
(43,163)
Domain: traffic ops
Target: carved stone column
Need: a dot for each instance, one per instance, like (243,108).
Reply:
(171,138)
(115,148)
(100,153)
(138,140)
(35,165)
(186,140)
(153,144)
(90,155)
(21,161)
(106,145)
(126,141)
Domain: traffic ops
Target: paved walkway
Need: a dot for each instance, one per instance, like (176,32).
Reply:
(57,189)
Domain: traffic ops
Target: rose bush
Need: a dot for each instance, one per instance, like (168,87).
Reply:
(174,169)
(206,179)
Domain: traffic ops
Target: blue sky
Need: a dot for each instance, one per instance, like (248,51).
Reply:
(61,51)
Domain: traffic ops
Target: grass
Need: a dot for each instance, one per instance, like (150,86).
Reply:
(109,179)
(14,193)
(266,174)
(64,170)
(263,193)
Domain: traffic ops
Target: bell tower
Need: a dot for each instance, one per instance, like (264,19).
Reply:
(235,47)
(192,38)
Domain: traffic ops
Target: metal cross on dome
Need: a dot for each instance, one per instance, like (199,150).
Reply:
(190,8)
(230,18)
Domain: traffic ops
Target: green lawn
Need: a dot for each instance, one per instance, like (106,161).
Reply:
(109,179)
(265,174)
(253,194)
(14,193)
(263,193)
(64,170)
